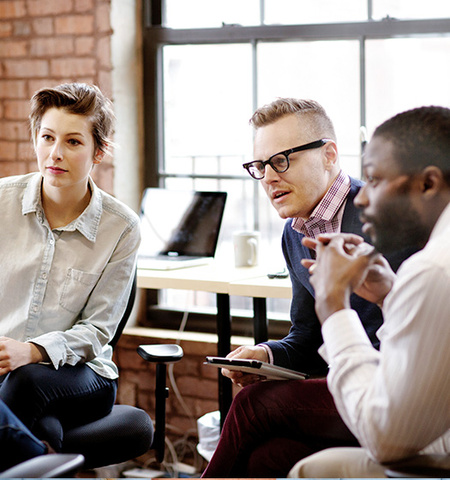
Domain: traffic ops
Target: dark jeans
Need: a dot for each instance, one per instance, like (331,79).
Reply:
(273,425)
(48,400)
(17,443)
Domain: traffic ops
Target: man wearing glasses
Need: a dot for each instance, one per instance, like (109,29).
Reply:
(271,425)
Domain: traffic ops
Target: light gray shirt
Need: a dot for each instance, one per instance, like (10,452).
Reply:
(65,290)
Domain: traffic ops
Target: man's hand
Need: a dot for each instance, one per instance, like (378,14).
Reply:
(240,378)
(343,266)
(15,354)
(379,275)
(378,282)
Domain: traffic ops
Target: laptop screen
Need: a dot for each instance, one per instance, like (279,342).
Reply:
(181,222)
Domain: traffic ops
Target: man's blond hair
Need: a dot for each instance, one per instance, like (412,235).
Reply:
(319,122)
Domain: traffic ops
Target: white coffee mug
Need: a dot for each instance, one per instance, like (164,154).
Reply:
(246,246)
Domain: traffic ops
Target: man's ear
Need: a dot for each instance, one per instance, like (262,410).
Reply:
(432,180)
(331,153)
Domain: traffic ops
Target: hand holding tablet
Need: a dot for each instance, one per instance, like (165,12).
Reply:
(256,367)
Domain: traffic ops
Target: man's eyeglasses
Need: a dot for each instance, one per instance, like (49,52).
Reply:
(280,161)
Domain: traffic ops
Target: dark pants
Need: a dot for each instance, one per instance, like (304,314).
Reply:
(17,443)
(48,400)
(272,425)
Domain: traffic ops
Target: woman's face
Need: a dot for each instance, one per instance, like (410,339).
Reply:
(65,149)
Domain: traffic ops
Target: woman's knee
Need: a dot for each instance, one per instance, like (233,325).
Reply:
(23,382)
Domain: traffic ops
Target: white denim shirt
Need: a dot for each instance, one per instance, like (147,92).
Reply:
(65,290)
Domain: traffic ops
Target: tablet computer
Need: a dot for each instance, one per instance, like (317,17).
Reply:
(256,367)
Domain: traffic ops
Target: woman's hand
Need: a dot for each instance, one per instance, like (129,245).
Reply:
(15,354)
(242,379)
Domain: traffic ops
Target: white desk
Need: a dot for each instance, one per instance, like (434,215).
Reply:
(214,277)
(224,280)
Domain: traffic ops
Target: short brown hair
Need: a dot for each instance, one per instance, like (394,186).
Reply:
(320,122)
(79,99)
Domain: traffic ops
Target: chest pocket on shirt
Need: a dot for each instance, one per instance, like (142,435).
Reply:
(76,289)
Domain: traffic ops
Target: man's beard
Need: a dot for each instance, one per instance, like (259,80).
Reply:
(398,227)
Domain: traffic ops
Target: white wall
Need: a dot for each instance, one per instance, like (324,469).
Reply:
(127,96)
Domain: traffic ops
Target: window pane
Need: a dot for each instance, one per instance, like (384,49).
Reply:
(411,9)
(289,12)
(405,73)
(326,71)
(211,13)
(207,101)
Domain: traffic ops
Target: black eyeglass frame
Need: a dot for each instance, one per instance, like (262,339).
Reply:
(286,153)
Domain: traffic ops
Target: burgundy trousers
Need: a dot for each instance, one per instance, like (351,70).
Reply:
(272,425)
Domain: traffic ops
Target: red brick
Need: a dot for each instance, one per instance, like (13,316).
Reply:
(128,394)
(184,424)
(205,406)
(16,109)
(208,372)
(102,18)
(14,130)
(54,46)
(11,49)
(6,29)
(26,68)
(26,152)
(105,82)
(8,150)
(13,89)
(104,52)
(84,46)
(84,5)
(42,8)
(22,28)
(36,84)
(74,25)
(189,366)
(202,349)
(146,401)
(12,168)
(194,387)
(12,9)
(43,26)
(72,67)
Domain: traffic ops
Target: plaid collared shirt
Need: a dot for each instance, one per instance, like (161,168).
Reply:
(327,216)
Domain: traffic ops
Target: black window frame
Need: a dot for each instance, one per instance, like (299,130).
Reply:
(155,36)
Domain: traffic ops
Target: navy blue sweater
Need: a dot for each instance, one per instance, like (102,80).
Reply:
(298,350)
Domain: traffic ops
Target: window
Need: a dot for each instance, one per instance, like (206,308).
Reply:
(209,63)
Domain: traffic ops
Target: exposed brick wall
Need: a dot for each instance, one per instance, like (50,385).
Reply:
(44,43)
(197,383)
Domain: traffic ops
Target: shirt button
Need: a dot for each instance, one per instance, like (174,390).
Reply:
(35,308)
(44,276)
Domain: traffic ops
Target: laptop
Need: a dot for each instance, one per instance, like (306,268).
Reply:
(179,228)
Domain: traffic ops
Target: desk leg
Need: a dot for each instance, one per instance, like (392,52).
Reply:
(260,322)
(223,349)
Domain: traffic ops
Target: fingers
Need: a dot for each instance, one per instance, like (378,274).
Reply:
(350,238)
(307,262)
(241,379)
(312,268)
(310,243)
